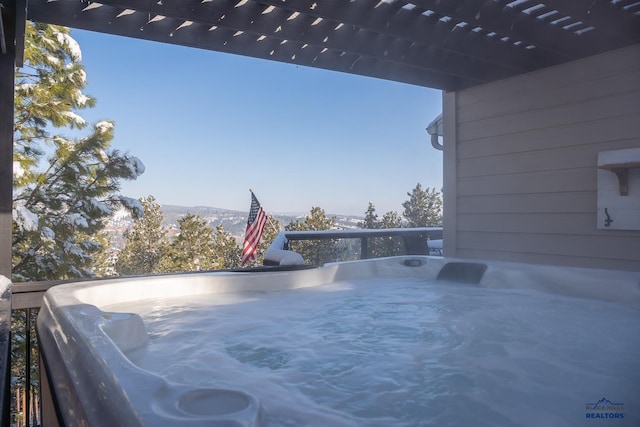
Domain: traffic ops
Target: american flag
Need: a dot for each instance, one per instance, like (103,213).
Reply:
(255,225)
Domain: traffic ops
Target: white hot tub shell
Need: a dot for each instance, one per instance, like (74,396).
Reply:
(94,383)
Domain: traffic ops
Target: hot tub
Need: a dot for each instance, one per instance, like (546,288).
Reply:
(402,341)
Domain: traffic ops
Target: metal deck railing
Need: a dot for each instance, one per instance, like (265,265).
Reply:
(25,299)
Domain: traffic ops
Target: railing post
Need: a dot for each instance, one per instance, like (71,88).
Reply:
(5,350)
(27,388)
(47,407)
(364,248)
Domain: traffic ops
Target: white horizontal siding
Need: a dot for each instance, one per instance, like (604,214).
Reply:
(601,86)
(612,246)
(526,163)
(609,66)
(569,179)
(623,127)
(561,202)
(537,223)
(550,159)
(566,260)
(552,117)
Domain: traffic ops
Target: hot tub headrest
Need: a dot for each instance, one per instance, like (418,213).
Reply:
(463,272)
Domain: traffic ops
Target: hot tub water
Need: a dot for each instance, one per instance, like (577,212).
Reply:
(399,351)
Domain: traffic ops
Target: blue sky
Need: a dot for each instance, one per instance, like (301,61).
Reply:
(209,126)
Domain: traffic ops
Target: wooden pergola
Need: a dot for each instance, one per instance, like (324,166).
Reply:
(442,44)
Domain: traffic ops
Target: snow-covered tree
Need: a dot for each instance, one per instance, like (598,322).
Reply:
(65,187)
(316,252)
(193,248)
(146,244)
(424,207)
(393,245)
(370,218)
(227,253)
(391,220)
(382,246)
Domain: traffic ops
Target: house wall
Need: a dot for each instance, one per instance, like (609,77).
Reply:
(520,163)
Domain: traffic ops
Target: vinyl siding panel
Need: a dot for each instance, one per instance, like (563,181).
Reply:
(580,91)
(552,116)
(565,180)
(539,223)
(563,260)
(526,163)
(607,66)
(551,159)
(567,202)
(624,248)
(609,130)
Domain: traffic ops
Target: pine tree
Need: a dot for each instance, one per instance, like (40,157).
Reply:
(316,252)
(391,220)
(64,188)
(382,246)
(193,248)
(392,245)
(227,253)
(270,232)
(103,259)
(146,245)
(424,208)
(370,218)
(371,221)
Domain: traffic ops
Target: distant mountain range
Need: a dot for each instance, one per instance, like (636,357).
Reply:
(234,222)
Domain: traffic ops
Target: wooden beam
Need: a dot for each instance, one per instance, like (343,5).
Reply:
(350,39)
(411,25)
(223,39)
(509,21)
(21,22)
(7,82)
(610,20)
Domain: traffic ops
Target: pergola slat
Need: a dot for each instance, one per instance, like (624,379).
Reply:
(222,39)
(349,39)
(609,19)
(445,44)
(510,21)
(420,29)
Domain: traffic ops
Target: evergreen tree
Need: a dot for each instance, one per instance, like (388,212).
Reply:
(270,232)
(391,220)
(390,246)
(146,245)
(382,246)
(424,208)
(64,188)
(370,218)
(193,248)
(227,253)
(316,252)
(104,261)
(371,222)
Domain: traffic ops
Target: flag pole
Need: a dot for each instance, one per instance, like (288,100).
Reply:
(270,222)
